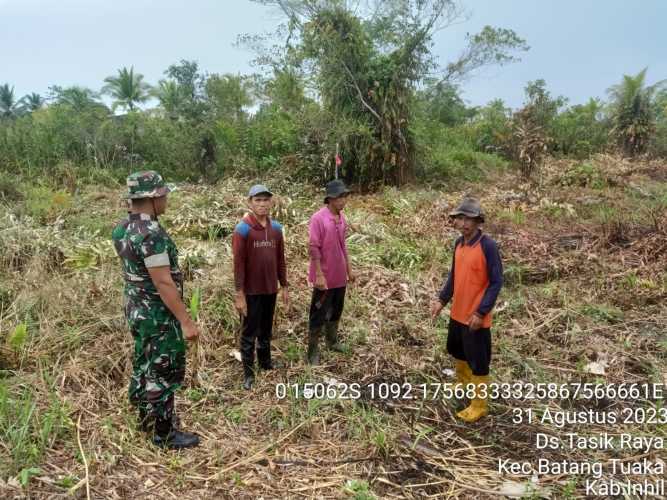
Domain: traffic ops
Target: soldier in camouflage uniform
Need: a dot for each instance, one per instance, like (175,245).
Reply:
(154,309)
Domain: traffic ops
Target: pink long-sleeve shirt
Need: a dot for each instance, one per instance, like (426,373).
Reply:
(327,244)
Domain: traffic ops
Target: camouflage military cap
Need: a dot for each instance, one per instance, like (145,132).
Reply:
(147,184)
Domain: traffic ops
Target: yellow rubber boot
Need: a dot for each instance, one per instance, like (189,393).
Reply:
(463,373)
(478,406)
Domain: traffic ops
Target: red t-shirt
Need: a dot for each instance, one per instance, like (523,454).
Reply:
(259,256)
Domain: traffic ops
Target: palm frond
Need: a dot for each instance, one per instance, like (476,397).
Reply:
(127,88)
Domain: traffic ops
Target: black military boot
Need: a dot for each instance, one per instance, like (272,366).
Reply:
(331,332)
(313,357)
(166,436)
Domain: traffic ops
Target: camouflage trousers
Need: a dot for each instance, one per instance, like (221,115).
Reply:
(158,363)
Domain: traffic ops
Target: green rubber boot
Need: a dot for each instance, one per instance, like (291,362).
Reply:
(331,331)
(313,357)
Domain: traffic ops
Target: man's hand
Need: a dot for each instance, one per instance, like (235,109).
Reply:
(171,296)
(320,281)
(190,330)
(240,304)
(475,322)
(285,294)
(436,308)
(351,277)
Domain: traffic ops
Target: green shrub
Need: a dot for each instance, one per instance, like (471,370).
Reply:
(451,153)
(462,164)
(491,127)
(270,135)
(58,135)
(584,175)
(45,205)
(400,255)
(581,130)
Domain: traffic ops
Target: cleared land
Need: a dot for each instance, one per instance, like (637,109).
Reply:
(585,253)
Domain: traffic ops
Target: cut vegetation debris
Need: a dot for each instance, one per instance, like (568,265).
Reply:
(585,249)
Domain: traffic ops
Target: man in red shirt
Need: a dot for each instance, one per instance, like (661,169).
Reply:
(259,264)
(474,282)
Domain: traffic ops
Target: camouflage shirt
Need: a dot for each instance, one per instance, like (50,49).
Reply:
(141,242)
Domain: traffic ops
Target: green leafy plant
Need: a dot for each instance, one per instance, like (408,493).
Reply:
(195,303)
(293,352)
(67,482)
(360,490)
(603,312)
(584,174)
(27,473)
(18,337)
(235,414)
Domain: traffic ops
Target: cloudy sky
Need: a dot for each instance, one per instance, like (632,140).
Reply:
(580,47)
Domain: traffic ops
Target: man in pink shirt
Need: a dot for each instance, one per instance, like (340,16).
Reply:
(330,270)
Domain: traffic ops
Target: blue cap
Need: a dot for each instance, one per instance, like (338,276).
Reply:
(258,189)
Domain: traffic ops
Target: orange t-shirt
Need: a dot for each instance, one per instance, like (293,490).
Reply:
(471,280)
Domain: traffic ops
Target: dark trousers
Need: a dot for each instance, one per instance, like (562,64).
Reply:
(471,346)
(258,324)
(326,305)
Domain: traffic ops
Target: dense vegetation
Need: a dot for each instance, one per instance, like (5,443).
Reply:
(328,81)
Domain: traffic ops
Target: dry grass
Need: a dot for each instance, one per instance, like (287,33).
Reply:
(582,287)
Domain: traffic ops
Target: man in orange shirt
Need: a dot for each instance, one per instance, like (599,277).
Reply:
(474,282)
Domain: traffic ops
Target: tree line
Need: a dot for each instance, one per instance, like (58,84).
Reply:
(362,83)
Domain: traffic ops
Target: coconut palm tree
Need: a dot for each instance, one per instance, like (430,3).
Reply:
(32,102)
(79,98)
(633,112)
(9,106)
(172,97)
(128,89)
